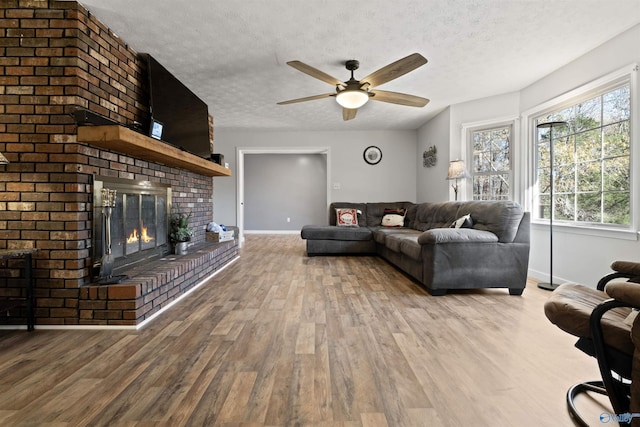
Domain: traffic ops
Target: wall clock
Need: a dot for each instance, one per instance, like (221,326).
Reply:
(372,155)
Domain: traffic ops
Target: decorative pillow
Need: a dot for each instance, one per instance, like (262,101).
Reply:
(393,217)
(346,217)
(463,222)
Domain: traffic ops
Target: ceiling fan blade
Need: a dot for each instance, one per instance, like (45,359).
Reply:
(395,70)
(314,72)
(399,98)
(308,98)
(349,113)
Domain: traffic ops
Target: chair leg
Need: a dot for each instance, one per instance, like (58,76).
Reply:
(595,386)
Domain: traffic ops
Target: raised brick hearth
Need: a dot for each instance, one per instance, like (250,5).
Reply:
(153,286)
(56,57)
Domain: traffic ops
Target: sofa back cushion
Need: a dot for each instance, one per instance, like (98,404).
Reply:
(502,218)
(375,212)
(362,207)
(434,215)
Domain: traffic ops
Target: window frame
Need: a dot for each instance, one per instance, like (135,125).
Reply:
(580,94)
(470,130)
(467,129)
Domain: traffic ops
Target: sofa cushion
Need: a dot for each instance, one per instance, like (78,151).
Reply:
(331,232)
(346,217)
(405,243)
(462,222)
(435,215)
(375,211)
(456,235)
(410,247)
(380,234)
(361,207)
(393,217)
(393,242)
(499,217)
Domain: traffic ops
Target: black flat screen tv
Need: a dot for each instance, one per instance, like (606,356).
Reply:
(184,117)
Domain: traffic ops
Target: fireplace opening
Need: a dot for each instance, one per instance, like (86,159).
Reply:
(138,220)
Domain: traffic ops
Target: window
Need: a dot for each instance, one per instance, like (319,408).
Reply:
(491,175)
(591,154)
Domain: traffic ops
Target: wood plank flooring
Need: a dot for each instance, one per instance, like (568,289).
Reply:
(280,339)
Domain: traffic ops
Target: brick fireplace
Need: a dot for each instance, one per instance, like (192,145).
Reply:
(55,57)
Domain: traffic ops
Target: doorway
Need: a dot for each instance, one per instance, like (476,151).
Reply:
(293,154)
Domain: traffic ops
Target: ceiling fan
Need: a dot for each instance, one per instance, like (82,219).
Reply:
(353,93)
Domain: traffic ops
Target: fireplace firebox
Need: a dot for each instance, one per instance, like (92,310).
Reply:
(139,222)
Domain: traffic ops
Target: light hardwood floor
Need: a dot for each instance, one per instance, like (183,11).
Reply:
(279,339)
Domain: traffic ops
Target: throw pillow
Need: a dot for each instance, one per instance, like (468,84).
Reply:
(463,222)
(346,217)
(393,217)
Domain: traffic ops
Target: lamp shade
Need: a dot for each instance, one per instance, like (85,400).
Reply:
(3,159)
(352,98)
(457,170)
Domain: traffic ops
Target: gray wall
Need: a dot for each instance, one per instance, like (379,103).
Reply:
(281,186)
(394,178)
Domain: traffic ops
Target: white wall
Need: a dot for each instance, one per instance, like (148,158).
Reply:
(276,201)
(579,257)
(445,132)
(431,182)
(478,112)
(393,179)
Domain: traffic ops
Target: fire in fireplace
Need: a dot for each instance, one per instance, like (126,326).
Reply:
(139,222)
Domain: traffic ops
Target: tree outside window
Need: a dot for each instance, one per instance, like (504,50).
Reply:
(491,170)
(591,168)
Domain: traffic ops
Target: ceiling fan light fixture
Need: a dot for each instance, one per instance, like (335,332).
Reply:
(352,98)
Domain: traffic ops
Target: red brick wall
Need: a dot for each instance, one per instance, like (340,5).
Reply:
(55,57)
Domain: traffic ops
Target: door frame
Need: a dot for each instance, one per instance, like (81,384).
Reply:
(240,153)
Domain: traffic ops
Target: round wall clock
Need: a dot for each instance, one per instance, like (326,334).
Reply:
(372,155)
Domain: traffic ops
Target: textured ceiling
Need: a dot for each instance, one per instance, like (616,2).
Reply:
(233,54)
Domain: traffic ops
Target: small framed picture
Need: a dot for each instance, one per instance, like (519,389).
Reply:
(156,129)
(372,155)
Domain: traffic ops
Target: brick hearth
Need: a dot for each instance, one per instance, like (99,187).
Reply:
(56,57)
(153,286)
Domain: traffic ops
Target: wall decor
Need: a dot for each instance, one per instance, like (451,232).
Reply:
(372,155)
(430,157)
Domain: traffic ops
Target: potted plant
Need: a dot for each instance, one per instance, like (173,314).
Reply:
(179,231)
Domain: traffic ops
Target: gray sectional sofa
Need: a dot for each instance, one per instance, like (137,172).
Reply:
(492,253)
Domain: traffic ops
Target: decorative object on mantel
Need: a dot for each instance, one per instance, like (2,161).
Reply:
(3,159)
(457,170)
(372,155)
(180,232)
(430,157)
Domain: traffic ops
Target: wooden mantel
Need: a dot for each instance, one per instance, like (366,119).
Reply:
(127,141)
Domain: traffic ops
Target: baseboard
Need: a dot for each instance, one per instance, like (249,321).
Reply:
(543,276)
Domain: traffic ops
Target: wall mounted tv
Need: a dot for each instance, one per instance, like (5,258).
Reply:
(182,116)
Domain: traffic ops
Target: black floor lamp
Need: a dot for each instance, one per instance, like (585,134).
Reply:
(550,286)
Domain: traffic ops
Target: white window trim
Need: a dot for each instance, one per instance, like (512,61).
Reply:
(467,150)
(528,135)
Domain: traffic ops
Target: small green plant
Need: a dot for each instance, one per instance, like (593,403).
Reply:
(179,227)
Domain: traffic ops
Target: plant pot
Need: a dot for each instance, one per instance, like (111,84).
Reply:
(180,248)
